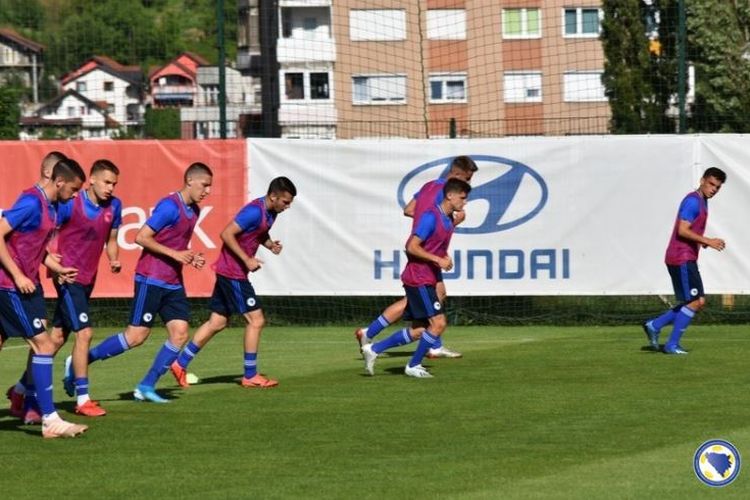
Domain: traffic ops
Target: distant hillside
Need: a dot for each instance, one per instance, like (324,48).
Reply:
(142,32)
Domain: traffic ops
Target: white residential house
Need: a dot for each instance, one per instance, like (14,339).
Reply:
(20,58)
(306,51)
(201,121)
(112,85)
(69,116)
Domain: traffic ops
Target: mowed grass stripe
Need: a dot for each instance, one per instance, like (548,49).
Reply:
(578,410)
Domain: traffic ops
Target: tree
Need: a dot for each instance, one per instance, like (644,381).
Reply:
(635,80)
(162,123)
(10,113)
(719,48)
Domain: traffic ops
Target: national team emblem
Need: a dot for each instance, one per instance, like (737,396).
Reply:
(37,323)
(148,317)
(716,462)
(251,302)
(437,306)
(693,292)
(83,317)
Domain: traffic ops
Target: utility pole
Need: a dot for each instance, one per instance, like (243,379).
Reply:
(222,69)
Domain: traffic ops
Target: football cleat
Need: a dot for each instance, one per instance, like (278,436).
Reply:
(360,335)
(370,357)
(57,428)
(68,379)
(16,402)
(90,409)
(417,371)
(180,374)
(32,417)
(652,335)
(674,349)
(443,352)
(259,381)
(147,393)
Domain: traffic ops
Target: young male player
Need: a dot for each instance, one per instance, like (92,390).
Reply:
(233,292)
(159,285)
(17,392)
(429,195)
(25,231)
(681,259)
(427,253)
(86,224)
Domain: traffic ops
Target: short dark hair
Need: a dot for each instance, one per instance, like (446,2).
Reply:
(100,165)
(464,163)
(197,168)
(52,155)
(282,185)
(456,186)
(68,170)
(716,173)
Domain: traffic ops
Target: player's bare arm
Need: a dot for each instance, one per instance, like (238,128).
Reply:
(23,283)
(684,231)
(113,252)
(145,238)
(415,249)
(229,237)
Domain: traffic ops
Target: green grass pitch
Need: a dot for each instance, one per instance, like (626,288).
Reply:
(529,412)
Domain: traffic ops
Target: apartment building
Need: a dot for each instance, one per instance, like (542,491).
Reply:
(434,68)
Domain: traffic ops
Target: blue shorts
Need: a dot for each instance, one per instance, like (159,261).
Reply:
(686,281)
(150,300)
(72,310)
(22,314)
(421,302)
(232,296)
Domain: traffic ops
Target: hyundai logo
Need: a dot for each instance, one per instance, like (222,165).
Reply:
(505,193)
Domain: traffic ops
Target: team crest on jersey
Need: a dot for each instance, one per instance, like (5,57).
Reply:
(437,306)
(148,317)
(37,323)
(83,317)
(251,302)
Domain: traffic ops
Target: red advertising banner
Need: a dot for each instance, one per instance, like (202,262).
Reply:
(149,170)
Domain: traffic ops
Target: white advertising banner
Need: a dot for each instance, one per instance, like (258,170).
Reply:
(546,216)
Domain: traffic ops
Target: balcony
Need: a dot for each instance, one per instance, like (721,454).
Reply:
(173,94)
(294,50)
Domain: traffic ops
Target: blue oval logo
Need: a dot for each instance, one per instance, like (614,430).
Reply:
(512,197)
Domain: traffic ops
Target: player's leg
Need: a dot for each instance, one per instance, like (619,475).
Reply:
(652,327)
(224,301)
(692,295)
(175,312)
(426,305)
(390,315)
(29,314)
(439,350)
(252,378)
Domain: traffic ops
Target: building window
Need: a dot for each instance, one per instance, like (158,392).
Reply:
(377,25)
(522,23)
(581,23)
(446,24)
(109,86)
(80,87)
(319,86)
(71,111)
(448,88)
(294,85)
(379,89)
(583,86)
(522,86)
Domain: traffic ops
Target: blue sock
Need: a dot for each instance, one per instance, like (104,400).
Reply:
(377,326)
(187,355)
(251,364)
(109,347)
(29,399)
(661,321)
(438,343)
(681,322)
(82,386)
(401,337)
(41,370)
(426,342)
(163,360)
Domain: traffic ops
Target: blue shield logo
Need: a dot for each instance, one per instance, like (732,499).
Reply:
(509,192)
